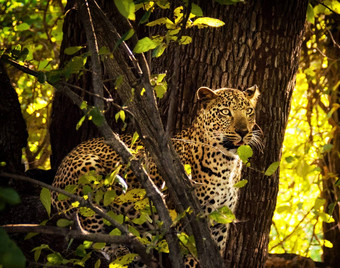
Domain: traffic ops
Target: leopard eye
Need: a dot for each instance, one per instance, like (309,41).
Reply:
(250,111)
(225,111)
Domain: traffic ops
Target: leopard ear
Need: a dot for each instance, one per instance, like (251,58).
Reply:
(252,94)
(205,94)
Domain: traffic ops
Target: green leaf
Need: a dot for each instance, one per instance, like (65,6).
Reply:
(319,202)
(96,116)
(272,168)
(289,159)
(241,184)
(145,16)
(64,222)
(187,169)
(55,258)
(22,27)
(222,215)
(117,217)
(326,217)
(115,231)
(121,115)
(145,44)
(97,264)
(99,196)
(9,196)
(206,21)
(327,148)
(104,51)
(185,40)
(80,251)
(72,50)
(99,245)
(310,14)
(244,152)
(133,230)
(134,138)
(160,90)
(124,261)
(196,10)
(159,50)
(109,197)
(282,209)
(80,122)
(76,64)
(327,243)
(126,8)
(166,21)
(45,198)
(83,105)
(10,254)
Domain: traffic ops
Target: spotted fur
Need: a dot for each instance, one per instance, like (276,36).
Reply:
(225,122)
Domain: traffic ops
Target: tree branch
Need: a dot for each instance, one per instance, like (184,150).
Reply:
(140,249)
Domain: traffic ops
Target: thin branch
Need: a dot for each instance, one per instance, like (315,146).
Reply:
(67,233)
(147,258)
(292,232)
(97,82)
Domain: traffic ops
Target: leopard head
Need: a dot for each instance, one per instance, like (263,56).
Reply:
(228,116)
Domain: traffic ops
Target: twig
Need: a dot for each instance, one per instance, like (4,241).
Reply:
(147,258)
(292,232)
(97,82)
(67,233)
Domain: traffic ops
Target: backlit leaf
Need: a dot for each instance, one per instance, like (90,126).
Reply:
(72,50)
(206,21)
(272,168)
(64,222)
(45,198)
(310,14)
(126,8)
(244,152)
(241,183)
(145,44)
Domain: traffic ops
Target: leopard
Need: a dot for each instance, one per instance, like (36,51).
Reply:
(224,122)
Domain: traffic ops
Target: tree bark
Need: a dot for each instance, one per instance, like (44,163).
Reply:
(13,132)
(260,44)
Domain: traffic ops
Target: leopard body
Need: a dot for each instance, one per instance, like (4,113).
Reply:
(209,146)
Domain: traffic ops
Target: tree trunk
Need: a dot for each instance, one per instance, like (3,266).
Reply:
(260,44)
(65,114)
(13,132)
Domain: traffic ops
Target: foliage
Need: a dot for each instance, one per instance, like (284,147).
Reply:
(297,222)
(31,33)
(10,254)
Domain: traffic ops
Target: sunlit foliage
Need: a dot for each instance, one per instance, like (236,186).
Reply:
(31,31)
(297,223)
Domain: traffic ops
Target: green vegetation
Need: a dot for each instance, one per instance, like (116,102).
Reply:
(31,34)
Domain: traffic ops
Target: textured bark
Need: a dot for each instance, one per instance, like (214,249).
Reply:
(13,132)
(259,44)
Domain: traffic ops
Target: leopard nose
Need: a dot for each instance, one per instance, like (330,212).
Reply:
(242,133)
